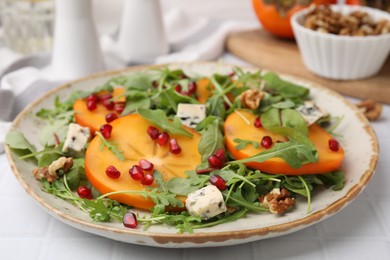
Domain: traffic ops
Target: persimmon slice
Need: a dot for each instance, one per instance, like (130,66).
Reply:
(95,118)
(129,133)
(204,90)
(236,127)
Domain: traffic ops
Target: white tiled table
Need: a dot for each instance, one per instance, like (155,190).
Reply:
(360,231)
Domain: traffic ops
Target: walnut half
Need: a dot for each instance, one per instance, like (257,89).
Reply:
(371,109)
(251,98)
(278,201)
(50,173)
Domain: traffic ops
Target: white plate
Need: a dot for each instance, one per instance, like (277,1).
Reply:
(361,154)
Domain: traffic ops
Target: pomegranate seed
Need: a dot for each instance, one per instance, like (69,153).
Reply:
(130,220)
(192,87)
(105,96)
(266,142)
(148,179)
(220,154)
(119,107)
(178,88)
(257,123)
(204,171)
(106,130)
(215,162)
(218,182)
(232,74)
(113,172)
(93,98)
(174,147)
(136,173)
(153,132)
(111,117)
(146,165)
(110,105)
(155,83)
(163,138)
(226,105)
(333,145)
(84,192)
(91,105)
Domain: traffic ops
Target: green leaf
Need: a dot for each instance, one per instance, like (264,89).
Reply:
(335,179)
(111,146)
(210,141)
(47,158)
(170,99)
(159,118)
(133,105)
(18,143)
(16,140)
(243,143)
(236,198)
(141,81)
(216,107)
(180,186)
(284,88)
(292,152)
(58,127)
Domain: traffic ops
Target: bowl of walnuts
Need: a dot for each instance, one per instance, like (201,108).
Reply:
(342,42)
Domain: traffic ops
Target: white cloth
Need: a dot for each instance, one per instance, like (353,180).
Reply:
(190,39)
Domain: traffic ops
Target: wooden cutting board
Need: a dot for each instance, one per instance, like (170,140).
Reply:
(262,49)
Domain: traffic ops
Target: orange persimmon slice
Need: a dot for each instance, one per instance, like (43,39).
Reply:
(129,134)
(204,90)
(95,118)
(236,127)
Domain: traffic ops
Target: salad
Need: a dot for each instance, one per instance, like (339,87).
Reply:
(185,151)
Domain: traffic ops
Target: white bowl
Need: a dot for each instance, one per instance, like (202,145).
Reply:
(342,57)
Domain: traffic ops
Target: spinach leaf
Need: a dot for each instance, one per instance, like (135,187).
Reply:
(211,140)
(18,143)
(284,88)
(159,118)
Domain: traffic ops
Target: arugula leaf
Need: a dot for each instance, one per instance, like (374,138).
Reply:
(159,118)
(169,98)
(110,146)
(236,198)
(335,179)
(58,127)
(133,105)
(292,152)
(216,107)
(140,81)
(210,141)
(243,143)
(18,143)
(284,88)
(207,121)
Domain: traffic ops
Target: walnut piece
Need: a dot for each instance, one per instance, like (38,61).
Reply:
(371,109)
(50,173)
(278,201)
(251,98)
(322,18)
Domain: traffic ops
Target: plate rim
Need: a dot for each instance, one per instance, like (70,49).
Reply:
(204,237)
